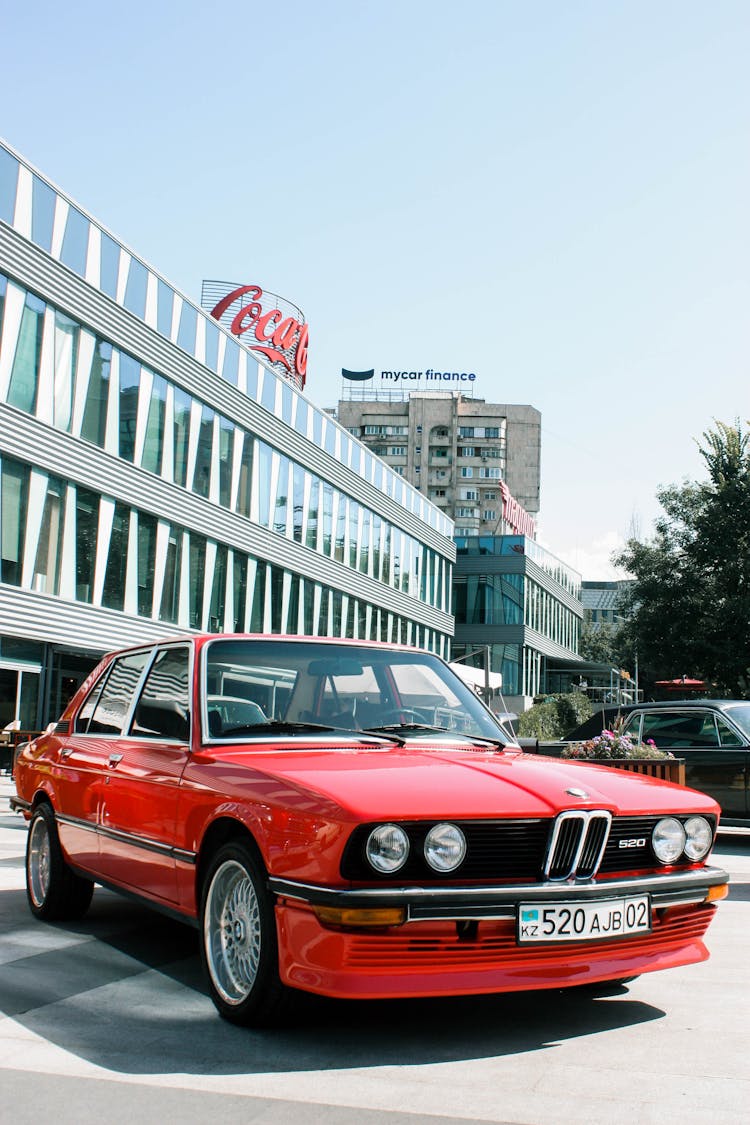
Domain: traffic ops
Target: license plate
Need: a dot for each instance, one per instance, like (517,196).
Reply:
(583,921)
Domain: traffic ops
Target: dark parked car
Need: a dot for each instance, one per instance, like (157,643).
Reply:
(712,735)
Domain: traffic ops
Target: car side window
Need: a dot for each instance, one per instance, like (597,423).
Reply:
(84,715)
(727,737)
(163,710)
(660,728)
(681,729)
(114,702)
(632,727)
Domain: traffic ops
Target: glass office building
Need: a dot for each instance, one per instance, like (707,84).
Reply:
(157,477)
(512,595)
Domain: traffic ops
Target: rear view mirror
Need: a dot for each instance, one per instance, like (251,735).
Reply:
(335,666)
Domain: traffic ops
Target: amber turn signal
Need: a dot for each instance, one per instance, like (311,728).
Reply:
(715,894)
(347,916)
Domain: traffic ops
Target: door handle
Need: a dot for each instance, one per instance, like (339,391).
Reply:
(114,759)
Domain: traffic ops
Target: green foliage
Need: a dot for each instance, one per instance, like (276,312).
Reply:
(689,604)
(604,644)
(552,717)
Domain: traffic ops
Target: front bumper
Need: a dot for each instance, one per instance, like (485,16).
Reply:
(463,903)
(463,940)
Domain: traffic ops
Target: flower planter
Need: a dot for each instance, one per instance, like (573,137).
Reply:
(667,769)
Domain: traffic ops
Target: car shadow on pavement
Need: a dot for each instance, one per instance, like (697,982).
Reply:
(123,990)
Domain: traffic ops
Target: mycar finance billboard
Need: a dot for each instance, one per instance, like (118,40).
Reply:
(264,322)
(429,376)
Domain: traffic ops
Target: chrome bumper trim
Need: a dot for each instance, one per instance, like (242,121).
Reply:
(490,902)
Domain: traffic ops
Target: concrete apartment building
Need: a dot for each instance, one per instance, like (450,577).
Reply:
(456,449)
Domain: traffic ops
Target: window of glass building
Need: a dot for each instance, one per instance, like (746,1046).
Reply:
(327,519)
(187,329)
(42,214)
(197,575)
(94,424)
(75,242)
(264,468)
(86,532)
(268,398)
(170,592)
(239,588)
(298,502)
(226,459)
(23,388)
(49,547)
(244,491)
(231,364)
(135,290)
(147,529)
(164,308)
(14,492)
(281,509)
(181,432)
(113,593)
(218,590)
(153,445)
(203,457)
(130,381)
(66,357)
(109,265)
(8,186)
(313,513)
(257,613)
(212,344)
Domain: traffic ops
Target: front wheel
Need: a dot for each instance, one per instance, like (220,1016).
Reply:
(239,948)
(54,891)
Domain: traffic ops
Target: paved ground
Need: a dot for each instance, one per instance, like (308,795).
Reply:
(107,1019)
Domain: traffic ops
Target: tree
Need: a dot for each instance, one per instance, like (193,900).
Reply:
(600,644)
(688,608)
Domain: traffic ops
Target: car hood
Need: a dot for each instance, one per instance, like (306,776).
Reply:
(427,780)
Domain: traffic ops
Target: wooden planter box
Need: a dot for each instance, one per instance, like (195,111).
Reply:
(667,769)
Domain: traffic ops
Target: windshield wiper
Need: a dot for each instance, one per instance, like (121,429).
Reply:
(409,727)
(283,726)
(274,726)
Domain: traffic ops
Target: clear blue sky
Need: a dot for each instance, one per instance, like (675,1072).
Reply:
(553,195)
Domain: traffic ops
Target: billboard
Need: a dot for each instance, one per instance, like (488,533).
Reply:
(265,323)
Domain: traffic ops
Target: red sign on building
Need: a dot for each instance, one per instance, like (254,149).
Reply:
(517,518)
(270,325)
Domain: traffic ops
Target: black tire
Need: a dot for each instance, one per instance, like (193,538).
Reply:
(54,891)
(239,947)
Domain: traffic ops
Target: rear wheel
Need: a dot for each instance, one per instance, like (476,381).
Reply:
(239,948)
(54,891)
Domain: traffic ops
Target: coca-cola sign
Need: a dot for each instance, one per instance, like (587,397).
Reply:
(265,322)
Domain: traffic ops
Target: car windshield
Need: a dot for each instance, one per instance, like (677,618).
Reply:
(739,713)
(251,685)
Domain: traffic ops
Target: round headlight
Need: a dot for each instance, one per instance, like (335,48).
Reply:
(387,848)
(444,847)
(699,837)
(668,839)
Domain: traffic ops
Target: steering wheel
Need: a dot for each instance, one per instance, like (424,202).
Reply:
(401,715)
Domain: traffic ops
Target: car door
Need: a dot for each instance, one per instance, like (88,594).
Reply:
(139,806)
(714,754)
(86,746)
